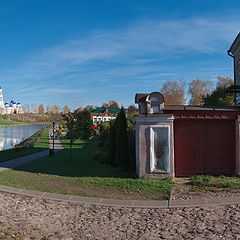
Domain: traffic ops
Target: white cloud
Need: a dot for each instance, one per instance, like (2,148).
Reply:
(133,52)
(161,38)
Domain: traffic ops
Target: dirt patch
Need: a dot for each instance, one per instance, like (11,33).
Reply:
(183,190)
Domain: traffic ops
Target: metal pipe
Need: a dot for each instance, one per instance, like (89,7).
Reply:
(53,129)
(234,72)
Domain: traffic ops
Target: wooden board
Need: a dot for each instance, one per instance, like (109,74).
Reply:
(204,147)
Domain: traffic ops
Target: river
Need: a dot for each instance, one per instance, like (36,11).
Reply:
(10,136)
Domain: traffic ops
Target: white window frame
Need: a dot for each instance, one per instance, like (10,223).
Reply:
(152,158)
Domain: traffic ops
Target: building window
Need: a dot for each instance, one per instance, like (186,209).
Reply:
(160,149)
(153,99)
(155,109)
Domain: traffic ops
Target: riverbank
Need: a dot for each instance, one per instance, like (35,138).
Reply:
(15,124)
(39,141)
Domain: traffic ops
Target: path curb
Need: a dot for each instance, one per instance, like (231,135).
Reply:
(125,203)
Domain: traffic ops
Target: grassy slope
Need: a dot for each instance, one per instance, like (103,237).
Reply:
(9,122)
(60,174)
(41,145)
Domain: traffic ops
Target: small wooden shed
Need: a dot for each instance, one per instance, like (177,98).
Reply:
(187,140)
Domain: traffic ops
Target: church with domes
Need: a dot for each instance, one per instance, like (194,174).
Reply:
(11,107)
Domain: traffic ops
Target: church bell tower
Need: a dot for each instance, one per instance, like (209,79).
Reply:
(1,98)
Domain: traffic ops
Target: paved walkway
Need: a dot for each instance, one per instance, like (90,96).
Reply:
(216,201)
(28,158)
(57,144)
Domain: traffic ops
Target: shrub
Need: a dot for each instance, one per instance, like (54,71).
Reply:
(97,155)
(201,181)
(112,140)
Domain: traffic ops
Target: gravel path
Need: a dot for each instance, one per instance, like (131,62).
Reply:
(24,217)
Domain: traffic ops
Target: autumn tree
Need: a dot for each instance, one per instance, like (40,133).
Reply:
(224,82)
(219,96)
(173,92)
(41,109)
(132,109)
(104,104)
(34,108)
(198,89)
(26,108)
(113,104)
(48,109)
(88,107)
(54,109)
(66,109)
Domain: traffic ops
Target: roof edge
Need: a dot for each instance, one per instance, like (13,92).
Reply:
(235,43)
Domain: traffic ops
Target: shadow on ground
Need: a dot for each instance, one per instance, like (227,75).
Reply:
(14,153)
(80,165)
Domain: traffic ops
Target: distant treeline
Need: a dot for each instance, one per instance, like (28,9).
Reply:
(33,118)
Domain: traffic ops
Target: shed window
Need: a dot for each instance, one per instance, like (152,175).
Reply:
(159,150)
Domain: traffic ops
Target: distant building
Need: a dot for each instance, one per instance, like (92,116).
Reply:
(11,107)
(103,114)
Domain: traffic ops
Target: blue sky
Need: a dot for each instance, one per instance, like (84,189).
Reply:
(88,52)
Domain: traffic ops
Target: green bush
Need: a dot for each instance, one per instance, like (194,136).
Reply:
(112,141)
(97,155)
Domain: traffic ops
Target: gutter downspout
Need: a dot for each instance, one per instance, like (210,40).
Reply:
(234,72)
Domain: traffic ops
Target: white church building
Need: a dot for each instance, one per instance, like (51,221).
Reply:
(11,107)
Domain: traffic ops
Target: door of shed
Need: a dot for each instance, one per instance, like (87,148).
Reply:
(204,147)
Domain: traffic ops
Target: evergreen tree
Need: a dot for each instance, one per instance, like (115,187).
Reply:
(112,140)
(84,125)
(122,157)
(72,133)
(219,97)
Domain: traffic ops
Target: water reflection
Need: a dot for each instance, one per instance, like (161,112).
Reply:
(10,136)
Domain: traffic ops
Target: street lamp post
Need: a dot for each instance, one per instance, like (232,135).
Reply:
(53,130)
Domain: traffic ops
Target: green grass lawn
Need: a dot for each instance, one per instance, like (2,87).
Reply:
(40,145)
(83,175)
(211,183)
(6,122)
